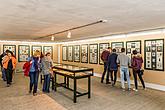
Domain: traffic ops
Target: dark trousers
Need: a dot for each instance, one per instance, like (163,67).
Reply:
(9,74)
(115,76)
(46,84)
(135,73)
(105,70)
(34,81)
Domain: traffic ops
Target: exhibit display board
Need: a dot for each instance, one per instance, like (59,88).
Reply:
(133,45)
(84,53)
(23,53)
(10,47)
(154,54)
(64,53)
(102,47)
(36,47)
(47,49)
(117,46)
(93,53)
(77,53)
(70,53)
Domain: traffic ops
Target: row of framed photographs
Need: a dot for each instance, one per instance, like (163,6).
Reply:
(73,53)
(24,50)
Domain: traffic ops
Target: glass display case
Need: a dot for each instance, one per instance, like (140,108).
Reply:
(72,72)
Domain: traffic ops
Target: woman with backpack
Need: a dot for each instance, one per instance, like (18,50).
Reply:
(137,61)
(34,71)
(46,64)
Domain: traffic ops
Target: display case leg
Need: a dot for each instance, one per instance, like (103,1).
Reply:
(55,82)
(89,87)
(74,92)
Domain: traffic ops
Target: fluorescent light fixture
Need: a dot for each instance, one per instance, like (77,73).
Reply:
(150,32)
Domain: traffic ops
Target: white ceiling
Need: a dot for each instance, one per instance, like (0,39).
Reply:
(29,19)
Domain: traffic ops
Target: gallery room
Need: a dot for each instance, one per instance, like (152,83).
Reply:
(82,55)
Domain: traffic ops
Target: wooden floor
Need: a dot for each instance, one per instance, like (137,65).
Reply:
(104,97)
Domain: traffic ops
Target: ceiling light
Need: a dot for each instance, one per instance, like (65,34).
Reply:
(52,38)
(69,34)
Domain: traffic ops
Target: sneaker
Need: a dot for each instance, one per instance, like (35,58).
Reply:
(108,82)
(8,85)
(135,89)
(34,94)
(144,89)
(129,89)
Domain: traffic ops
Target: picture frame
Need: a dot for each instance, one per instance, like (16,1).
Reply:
(76,53)
(36,47)
(84,53)
(133,45)
(70,53)
(23,53)
(64,53)
(47,49)
(154,54)
(102,47)
(117,46)
(93,53)
(10,47)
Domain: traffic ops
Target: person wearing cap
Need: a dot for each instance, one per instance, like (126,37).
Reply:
(104,58)
(34,71)
(9,64)
(124,61)
(136,63)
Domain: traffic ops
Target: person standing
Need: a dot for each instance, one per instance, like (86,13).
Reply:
(137,61)
(46,64)
(2,69)
(124,62)
(9,64)
(113,66)
(34,71)
(104,58)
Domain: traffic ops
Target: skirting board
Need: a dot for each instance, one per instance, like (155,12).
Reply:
(148,85)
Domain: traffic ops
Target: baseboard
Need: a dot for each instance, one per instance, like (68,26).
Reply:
(148,85)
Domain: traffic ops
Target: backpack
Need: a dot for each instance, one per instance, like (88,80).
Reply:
(26,68)
(137,63)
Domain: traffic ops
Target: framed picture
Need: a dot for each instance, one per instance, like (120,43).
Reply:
(84,53)
(47,49)
(23,53)
(117,46)
(133,45)
(154,54)
(10,47)
(102,47)
(93,53)
(70,53)
(64,53)
(77,53)
(35,47)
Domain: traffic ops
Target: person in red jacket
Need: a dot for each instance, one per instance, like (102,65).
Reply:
(104,58)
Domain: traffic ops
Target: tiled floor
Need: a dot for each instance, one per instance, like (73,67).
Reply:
(104,97)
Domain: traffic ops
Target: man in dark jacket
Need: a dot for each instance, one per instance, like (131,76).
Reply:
(113,66)
(104,58)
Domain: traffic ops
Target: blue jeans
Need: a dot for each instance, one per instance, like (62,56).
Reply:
(126,71)
(34,81)
(3,74)
(46,84)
